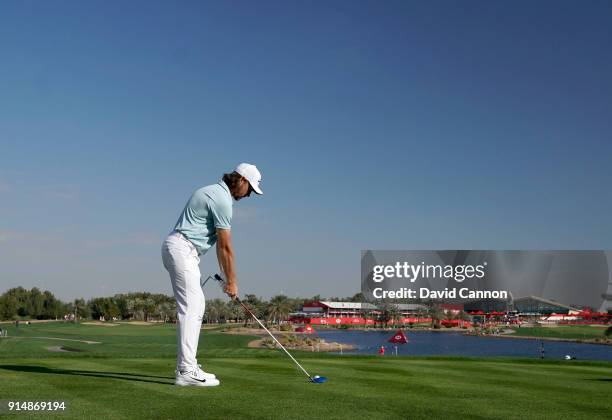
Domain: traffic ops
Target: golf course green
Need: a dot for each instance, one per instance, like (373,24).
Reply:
(128,373)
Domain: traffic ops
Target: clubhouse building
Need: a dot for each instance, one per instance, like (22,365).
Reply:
(355,313)
(524,309)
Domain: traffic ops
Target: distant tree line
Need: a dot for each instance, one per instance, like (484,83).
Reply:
(20,303)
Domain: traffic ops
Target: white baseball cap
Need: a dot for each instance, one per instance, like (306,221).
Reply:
(252,174)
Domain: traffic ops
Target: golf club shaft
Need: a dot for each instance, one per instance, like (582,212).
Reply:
(205,281)
(246,308)
(274,338)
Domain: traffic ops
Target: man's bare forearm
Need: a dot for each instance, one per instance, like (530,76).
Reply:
(225,255)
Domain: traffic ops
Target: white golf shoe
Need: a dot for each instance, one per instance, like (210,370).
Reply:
(195,377)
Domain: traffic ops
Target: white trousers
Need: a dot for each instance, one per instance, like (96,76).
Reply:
(181,259)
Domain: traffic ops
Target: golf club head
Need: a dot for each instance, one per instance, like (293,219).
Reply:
(318,379)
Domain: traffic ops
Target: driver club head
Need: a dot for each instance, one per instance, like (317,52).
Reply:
(318,379)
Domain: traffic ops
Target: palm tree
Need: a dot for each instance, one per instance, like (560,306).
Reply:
(279,308)
(256,305)
(421,313)
(385,313)
(367,314)
(394,313)
(462,315)
(78,309)
(436,315)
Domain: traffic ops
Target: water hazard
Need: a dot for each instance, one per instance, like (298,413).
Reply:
(428,343)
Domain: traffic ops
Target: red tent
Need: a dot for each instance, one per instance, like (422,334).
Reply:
(398,338)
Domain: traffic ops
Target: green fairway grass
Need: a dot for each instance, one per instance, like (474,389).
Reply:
(573,332)
(130,375)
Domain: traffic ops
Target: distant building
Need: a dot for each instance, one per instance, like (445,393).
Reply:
(527,305)
(487,305)
(606,306)
(541,306)
(410,309)
(329,309)
(355,313)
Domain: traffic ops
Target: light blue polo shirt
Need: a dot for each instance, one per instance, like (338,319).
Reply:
(208,209)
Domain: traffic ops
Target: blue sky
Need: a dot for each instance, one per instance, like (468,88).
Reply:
(376,125)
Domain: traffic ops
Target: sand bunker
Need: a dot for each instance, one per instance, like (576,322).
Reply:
(100,324)
(60,349)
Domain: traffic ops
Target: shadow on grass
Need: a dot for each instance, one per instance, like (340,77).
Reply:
(94,374)
(601,379)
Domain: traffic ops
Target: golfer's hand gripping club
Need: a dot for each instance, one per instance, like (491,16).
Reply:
(230,289)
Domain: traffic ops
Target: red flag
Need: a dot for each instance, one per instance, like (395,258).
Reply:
(398,338)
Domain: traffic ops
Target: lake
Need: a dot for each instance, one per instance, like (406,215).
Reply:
(428,343)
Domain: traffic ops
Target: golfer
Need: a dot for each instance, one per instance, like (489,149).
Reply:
(204,222)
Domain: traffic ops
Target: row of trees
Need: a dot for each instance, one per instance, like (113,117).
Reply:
(139,306)
(21,303)
(276,309)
